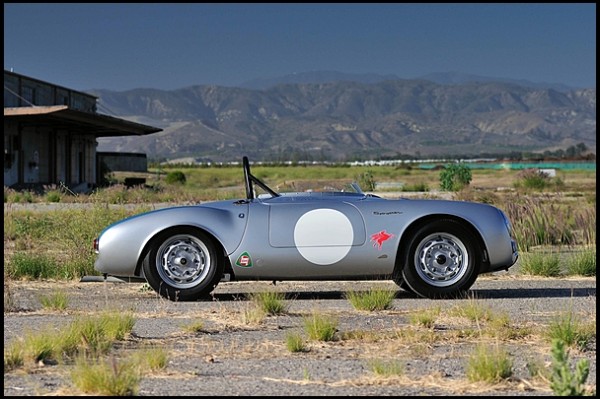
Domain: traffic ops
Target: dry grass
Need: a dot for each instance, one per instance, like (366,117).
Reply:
(225,336)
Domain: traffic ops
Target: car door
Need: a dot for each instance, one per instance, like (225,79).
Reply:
(322,233)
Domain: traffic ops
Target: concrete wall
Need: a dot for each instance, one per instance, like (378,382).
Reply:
(46,156)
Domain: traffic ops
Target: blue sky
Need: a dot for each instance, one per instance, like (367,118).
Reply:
(169,46)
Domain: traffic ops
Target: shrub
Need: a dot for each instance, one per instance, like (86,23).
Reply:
(53,196)
(417,187)
(541,221)
(9,298)
(563,381)
(540,264)
(455,177)
(175,177)
(32,266)
(583,263)
(533,179)
(367,181)
(56,244)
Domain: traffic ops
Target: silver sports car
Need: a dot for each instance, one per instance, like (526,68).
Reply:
(433,248)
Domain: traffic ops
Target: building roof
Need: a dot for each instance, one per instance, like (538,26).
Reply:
(63,117)
(20,76)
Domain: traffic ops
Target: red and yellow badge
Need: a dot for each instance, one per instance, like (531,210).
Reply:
(244,260)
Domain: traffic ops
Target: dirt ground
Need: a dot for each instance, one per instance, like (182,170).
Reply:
(232,355)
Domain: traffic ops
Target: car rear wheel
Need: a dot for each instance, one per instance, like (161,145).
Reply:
(183,265)
(442,260)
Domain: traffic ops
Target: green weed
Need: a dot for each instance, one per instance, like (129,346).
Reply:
(568,328)
(387,368)
(13,357)
(25,265)
(563,381)
(489,364)
(56,301)
(374,299)
(153,358)
(271,302)
(583,263)
(194,327)
(425,317)
(320,327)
(108,377)
(294,342)
(540,264)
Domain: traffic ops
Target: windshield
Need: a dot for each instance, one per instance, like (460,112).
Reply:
(256,187)
(320,186)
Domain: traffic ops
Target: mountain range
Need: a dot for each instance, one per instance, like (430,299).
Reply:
(336,116)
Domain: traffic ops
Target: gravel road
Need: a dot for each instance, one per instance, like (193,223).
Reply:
(232,356)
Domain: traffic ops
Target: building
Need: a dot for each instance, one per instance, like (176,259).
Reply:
(50,134)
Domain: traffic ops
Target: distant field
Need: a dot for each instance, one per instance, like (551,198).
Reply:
(204,180)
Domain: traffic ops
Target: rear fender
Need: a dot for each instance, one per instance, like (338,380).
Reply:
(132,238)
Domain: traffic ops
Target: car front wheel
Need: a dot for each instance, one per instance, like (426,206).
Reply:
(183,265)
(442,260)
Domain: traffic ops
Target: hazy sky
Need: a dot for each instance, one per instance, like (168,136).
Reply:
(169,46)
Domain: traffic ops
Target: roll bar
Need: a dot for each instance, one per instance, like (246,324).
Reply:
(250,179)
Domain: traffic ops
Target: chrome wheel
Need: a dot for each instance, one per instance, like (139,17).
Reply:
(183,264)
(441,259)
(183,261)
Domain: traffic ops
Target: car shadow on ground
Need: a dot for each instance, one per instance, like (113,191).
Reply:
(534,293)
(401,294)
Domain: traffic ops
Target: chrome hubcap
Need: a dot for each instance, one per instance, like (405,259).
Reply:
(183,261)
(441,259)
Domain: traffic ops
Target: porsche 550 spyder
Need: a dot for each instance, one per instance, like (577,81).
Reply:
(433,248)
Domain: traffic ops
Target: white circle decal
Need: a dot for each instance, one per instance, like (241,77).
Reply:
(323,236)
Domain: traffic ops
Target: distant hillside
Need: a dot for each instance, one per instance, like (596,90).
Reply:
(343,120)
(444,78)
(316,77)
(462,78)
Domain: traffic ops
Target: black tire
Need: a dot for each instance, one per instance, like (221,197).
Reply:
(442,261)
(402,284)
(166,270)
